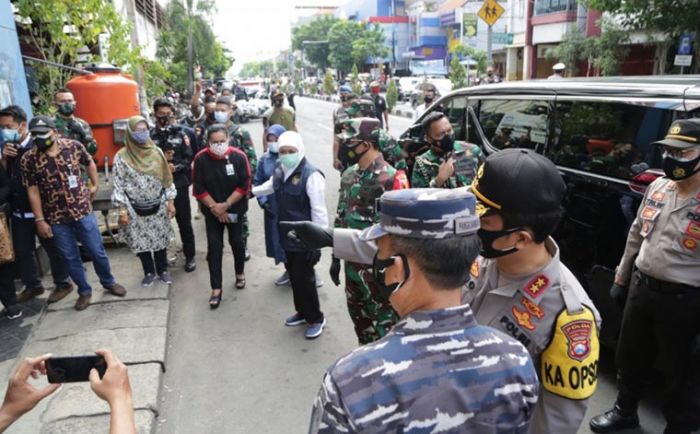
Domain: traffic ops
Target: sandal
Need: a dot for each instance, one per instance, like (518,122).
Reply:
(215,300)
(240,282)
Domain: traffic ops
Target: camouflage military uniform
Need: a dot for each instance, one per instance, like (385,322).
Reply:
(359,189)
(392,151)
(435,371)
(428,164)
(76,129)
(240,138)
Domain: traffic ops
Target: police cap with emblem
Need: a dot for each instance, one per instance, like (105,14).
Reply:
(425,213)
(518,181)
(41,125)
(683,133)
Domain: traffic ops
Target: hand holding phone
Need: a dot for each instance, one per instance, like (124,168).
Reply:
(74,369)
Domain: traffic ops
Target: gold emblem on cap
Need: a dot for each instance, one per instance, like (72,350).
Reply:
(675,129)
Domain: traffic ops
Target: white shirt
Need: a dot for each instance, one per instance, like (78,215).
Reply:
(420,110)
(315,190)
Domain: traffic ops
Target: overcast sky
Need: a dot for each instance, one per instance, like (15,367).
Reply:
(259,29)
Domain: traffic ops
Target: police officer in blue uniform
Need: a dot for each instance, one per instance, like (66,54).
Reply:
(437,370)
(175,141)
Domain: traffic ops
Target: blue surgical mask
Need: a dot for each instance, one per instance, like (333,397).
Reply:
(273,147)
(221,117)
(10,135)
(140,137)
(290,161)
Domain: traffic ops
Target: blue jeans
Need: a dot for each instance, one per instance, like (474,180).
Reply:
(85,230)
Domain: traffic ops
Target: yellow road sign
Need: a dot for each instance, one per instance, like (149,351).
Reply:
(490,12)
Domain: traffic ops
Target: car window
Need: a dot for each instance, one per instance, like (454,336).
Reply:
(515,123)
(455,109)
(608,138)
(472,133)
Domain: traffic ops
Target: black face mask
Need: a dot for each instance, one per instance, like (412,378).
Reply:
(42,144)
(66,109)
(379,267)
(488,237)
(278,102)
(428,99)
(211,118)
(678,170)
(163,120)
(351,155)
(445,145)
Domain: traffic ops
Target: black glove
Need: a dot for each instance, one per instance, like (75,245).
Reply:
(74,126)
(307,235)
(619,294)
(335,271)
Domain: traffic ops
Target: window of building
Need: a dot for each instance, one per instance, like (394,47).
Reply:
(543,7)
(515,123)
(608,138)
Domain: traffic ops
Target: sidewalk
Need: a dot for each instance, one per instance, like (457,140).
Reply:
(402,109)
(134,327)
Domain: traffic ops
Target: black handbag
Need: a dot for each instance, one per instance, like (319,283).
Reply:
(144,209)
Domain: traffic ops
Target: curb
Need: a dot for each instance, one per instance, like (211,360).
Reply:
(135,327)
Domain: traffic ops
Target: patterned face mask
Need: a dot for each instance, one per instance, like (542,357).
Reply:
(219,148)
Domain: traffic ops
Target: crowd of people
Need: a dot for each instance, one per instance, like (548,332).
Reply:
(466,317)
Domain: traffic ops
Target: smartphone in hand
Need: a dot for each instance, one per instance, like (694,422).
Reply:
(74,369)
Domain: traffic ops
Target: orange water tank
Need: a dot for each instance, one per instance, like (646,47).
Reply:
(105,99)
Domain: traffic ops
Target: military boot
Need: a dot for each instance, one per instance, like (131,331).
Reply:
(614,420)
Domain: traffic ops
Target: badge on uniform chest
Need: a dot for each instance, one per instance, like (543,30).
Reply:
(72,181)
(296,180)
(230,171)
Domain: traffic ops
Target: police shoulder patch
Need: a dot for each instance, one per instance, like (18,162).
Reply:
(570,363)
(475,269)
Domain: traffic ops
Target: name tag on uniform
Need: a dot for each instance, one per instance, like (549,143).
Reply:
(72,181)
(229,170)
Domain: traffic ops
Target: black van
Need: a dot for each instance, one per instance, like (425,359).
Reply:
(598,131)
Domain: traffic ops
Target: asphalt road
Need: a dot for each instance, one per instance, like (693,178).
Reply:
(238,369)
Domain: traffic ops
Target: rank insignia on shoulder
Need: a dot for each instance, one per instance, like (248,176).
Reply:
(536,286)
(533,308)
(690,243)
(523,318)
(474,271)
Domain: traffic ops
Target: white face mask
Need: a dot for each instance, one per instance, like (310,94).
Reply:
(273,147)
(219,148)
(221,117)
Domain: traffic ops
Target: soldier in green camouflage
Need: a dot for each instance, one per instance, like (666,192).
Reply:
(69,125)
(391,150)
(361,184)
(448,163)
(239,138)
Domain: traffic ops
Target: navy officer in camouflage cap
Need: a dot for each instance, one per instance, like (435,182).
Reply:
(436,369)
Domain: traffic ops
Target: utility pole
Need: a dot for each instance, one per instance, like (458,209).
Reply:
(138,71)
(489,43)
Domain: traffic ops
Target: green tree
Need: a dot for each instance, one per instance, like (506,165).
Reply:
(316,30)
(56,30)
(610,49)
(572,49)
(355,81)
(187,39)
(458,75)
(392,94)
(476,55)
(369,45)
(328,83)
(670,18)
(340,43)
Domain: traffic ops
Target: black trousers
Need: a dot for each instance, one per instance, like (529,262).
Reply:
(661,330)
(24,239)
(8,294)
(156,262)
(300,267)
(215,247)
(183,217)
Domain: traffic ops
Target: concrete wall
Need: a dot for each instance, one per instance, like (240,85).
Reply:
(13,83)
(148,36)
